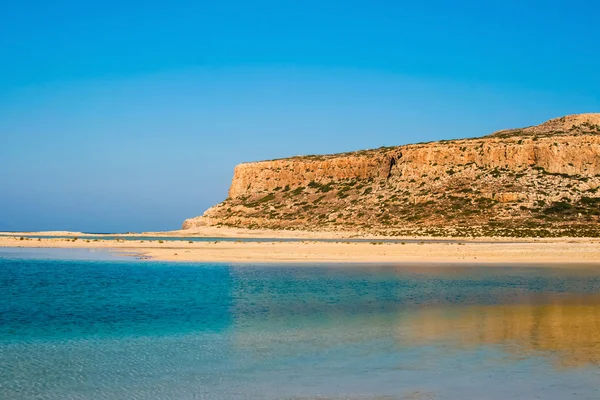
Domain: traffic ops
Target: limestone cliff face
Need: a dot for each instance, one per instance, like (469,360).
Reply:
(559,159)
(562,155)
(256,177)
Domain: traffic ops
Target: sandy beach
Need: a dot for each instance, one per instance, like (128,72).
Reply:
(547,251)
(219,232)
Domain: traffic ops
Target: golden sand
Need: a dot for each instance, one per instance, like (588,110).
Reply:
(555,251)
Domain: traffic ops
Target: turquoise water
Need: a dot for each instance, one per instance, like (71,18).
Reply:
(106,328)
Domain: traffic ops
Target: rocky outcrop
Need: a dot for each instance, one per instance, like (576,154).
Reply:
(507,176)
(562,155)
(570,124)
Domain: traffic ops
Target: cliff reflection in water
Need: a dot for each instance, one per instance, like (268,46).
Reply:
(521,312)
(566,329)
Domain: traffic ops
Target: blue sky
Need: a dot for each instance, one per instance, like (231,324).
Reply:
(130,116)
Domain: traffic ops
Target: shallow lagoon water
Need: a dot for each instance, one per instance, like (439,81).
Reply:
(124,329)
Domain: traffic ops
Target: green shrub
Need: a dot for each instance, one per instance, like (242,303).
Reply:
(342,194)
(317,201)
(325,188)
(590,201)
(558,207)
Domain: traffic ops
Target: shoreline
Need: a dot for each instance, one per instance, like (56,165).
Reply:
(214,232)
(465,251)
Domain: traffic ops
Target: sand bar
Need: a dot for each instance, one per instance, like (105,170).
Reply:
(556,251)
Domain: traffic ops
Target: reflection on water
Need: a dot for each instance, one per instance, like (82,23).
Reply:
(566,329)
(112,330)
(526,312)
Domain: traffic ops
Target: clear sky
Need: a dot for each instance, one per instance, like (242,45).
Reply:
(131,115)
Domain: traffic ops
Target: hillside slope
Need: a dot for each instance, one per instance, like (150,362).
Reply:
(536,181)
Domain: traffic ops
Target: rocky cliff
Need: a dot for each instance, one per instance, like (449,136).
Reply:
(536,181)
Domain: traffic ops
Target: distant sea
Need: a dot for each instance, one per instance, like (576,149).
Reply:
(82,325)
